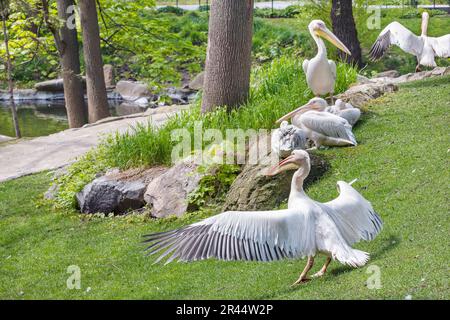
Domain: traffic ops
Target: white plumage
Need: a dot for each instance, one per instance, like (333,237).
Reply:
(323,128)
(346,111)
(321,72)
(287,139)
(306,228)
(423,47)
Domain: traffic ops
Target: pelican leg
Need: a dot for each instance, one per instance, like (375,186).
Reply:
(418,68)
(303,277)
(323,270)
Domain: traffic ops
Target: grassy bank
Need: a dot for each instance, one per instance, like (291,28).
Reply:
(400,163)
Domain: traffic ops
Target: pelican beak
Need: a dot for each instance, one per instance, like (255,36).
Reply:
(284,165)
(293,113)
(325,33)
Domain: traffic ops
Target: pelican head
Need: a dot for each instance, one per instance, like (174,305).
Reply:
(316,104)
(298,159)
(319,29)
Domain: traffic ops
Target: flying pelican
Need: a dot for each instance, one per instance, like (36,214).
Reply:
(306,228)
(286,139)
(346,111)
(423,47)
(323,128)
(321,72)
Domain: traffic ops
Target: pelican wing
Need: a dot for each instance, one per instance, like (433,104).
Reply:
(328,125)
(332,68)
(396,34)
(352,115)
(239,235)
(441,45)
(353,215)
(305,66)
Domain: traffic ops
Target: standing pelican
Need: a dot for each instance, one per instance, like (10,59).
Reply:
(423,47)
(321,72)
(306,228)
(286,139)
(323,128)
(346,111)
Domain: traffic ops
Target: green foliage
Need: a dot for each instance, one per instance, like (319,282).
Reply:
(276,88)
(288,12)
(213,186)
(171,9)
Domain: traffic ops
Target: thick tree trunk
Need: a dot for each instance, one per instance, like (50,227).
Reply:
(70,64)
(344,28)
(95,80)
(10,77)
(228,59)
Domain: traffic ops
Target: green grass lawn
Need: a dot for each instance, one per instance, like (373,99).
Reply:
(401,163)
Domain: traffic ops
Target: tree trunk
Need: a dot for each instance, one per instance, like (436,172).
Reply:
(9,75)
(228,58)
(344,28)
(70,64)
(95,80)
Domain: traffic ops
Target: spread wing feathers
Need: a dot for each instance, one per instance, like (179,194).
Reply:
(239,235)
(396,34)
(328,125)
(353,215)
(441,45)
(333,68)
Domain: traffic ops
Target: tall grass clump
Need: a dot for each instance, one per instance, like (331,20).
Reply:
(276,88)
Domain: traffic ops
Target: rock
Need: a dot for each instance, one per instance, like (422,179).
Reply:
(197,82)
(56,85)
(117,192)
(360,79)
(388,74)
(5,138)
(253,190)
(168,193)
(127,108)
(110,79)
(360,94)
(132,90)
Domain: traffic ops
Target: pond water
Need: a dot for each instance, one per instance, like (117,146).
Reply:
(43,118)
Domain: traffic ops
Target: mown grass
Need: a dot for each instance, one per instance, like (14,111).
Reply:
(400,162)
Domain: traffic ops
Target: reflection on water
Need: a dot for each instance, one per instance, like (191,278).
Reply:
(41,118)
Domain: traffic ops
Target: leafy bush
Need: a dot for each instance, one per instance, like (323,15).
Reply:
(276,88)
(171,9)
(288,12)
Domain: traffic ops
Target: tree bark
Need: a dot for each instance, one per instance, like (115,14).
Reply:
(70,64)
(228,58)
(9,72)
(95,80)
(345,29)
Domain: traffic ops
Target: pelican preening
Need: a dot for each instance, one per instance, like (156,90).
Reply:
(423,47)
(323,128)
(321,72)
(287,139)
(306,228)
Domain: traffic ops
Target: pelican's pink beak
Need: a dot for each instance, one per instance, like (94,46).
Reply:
(293,113)
(324,32)
(284,165)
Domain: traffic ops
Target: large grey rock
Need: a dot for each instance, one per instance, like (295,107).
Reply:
(55,85)
(132,90)
(197,82)
(117,192)
(360,94)
(110,79)
(388,74)
(168,194)
(253,190)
